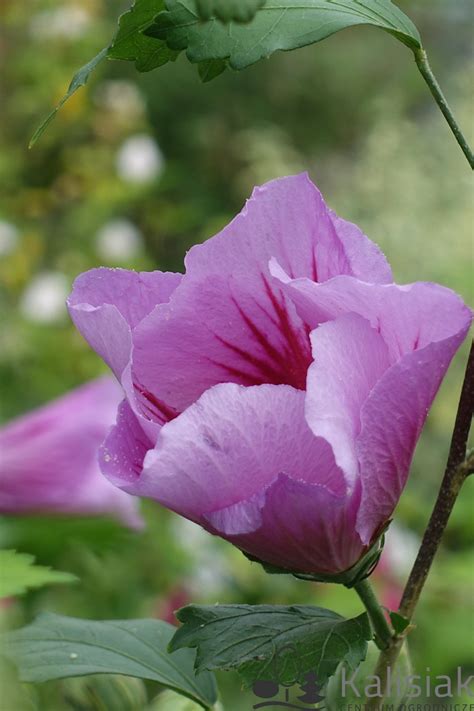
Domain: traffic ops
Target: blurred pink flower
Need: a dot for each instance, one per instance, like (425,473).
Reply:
(48,458)
(275,393)
(173,600)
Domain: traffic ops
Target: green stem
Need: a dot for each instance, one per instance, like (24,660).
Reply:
(383,633)
(427,74)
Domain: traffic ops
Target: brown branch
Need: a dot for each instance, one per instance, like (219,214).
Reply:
(458,467)
(454,477)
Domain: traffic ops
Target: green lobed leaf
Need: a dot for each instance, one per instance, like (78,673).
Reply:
(131,44)
(79,79)
(275,643)
(57,647)
(229,10)
(18,573)
(278,25)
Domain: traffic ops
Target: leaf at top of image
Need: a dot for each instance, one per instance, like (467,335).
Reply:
(18,573)
(131,44)
(277,25)
(80,78)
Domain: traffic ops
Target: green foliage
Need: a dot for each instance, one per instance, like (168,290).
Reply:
(131,44)
(399,623)
(79,79)
(273,642)
(229,10)
(57,647)
(258,30)
(283,25)
(18,574)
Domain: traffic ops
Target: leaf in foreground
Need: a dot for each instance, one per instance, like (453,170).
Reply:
(18,573)
(79,79)
(276,643)
(57,647)
(278,25)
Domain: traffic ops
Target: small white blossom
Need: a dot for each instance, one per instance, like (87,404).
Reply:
(8,238)
(139,159)
(44,299)
(70,22)
(120,96)
(119,240)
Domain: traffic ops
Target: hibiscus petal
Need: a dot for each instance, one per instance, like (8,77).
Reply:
(48,458)
(408,317)
(366,259)
(391,422)
(230,445)
(349,358)
(229,321)
(286,218)
(423,325)
(295,525)
(121,455)
(107,304)
(222,329)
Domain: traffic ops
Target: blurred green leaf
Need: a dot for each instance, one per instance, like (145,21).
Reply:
(272,642)
(106,691)
(229,10)
(57,647)
(18,573)
(170,701)
(283,25)
(79,79)
(211,69)
(130,44)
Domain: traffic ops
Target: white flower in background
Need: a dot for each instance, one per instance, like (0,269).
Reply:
(401,548)
(120,96)
(119,240)
(44,299)
(8,238)
(139,159)
(70,22)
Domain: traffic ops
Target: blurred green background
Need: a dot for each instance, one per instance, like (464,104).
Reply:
(136,169)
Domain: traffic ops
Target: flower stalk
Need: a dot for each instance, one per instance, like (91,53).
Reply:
(423,65)
(383,633)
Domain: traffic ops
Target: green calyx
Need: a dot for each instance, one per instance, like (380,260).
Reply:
(350,577)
